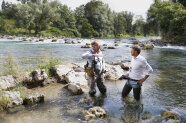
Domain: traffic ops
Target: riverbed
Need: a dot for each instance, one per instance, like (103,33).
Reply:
(164,90)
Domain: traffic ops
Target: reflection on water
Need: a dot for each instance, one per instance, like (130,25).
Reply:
(164,90)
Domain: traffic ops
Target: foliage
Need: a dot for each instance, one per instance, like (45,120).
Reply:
(49,66)
(3,101)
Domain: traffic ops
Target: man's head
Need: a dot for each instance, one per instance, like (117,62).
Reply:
(95,46)
(135,50)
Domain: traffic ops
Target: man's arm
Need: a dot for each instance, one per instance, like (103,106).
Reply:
(87,55)
(149,72)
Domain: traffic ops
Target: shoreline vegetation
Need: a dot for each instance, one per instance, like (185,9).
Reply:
(92,20)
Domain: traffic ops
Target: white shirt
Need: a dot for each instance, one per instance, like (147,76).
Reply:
(138,68)
(99,60)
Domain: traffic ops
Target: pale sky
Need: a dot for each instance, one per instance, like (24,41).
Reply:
(138,7)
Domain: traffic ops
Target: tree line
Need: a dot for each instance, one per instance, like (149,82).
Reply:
(94,19)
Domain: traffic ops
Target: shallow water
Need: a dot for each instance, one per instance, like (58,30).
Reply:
(164,90)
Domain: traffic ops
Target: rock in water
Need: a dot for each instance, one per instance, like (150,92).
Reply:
(39,75)
(125,66)
(48,81)
(113,72)
(74,88)
(11,99)
(7,82)
(170,115)
(76,77)
(34,98)
(95,112)
(61,72)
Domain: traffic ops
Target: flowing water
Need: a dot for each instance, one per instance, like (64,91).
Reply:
(162,91)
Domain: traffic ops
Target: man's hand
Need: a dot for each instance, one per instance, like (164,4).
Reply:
(97,55)
(123,77)
(143,79)
(103,71)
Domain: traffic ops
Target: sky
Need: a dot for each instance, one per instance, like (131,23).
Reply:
(138,7)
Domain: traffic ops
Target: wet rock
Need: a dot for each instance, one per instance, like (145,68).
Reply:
(61,72)
(34,98)
(74,42)
(136,42)
(116,45)
(41,39)
(74,88)
(147,46)
(7,82)
(39,75)
(111,47)
(132,38)
(95,112)
(125,66)
(54,40)
(76,77)
(10,99)
(170,115)
(86,46)
(105,45)
(86,100)
(48,81)
(113,72)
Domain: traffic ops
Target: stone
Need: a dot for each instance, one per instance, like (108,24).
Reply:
(113,72)
(27,78)
(54,40)
(136,42)
(95,112)
(111,47)
(41,39)
(86,46)
(116,45)
(39,75)
(33,99)
(8,82)
(61,72)
(147,46)
(105,45)
(13,99)
(48,81)
(125,66)
(74,88)
(170,115)
(76,77)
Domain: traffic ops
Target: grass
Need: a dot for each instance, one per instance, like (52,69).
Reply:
(50,64)
(4,102)
(22,91)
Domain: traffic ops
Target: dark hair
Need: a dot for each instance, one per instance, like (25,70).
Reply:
(136,48)
(93,43)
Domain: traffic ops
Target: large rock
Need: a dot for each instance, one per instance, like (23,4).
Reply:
(11,99)
(7,82)
(113,72)
(86,46)
(76,77)
(27,77)
(34,98)
(95,112)
(125,66)
(61,71)
(170,115)
(74,88)
(39,75)
(111,47)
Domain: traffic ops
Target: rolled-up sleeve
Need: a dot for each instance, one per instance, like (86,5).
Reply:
(87,55)
(148,68)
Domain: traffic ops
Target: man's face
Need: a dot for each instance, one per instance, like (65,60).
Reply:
(95,47)
(132,52)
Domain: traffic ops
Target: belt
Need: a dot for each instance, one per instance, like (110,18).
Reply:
(133,79)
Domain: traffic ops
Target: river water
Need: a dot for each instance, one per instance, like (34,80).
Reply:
(164,90)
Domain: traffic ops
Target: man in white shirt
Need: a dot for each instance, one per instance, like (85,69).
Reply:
(135,76)
(95,61)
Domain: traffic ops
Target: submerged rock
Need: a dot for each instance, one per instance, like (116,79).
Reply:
(54,40)
(86,46)
(95,112)
(10,99)
(48,81)
(74,88)
(111,47)
(34,98)
(147,46)
(170,115)
(7,82)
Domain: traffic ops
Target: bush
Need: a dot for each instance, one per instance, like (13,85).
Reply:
(49,66)
(67,32)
